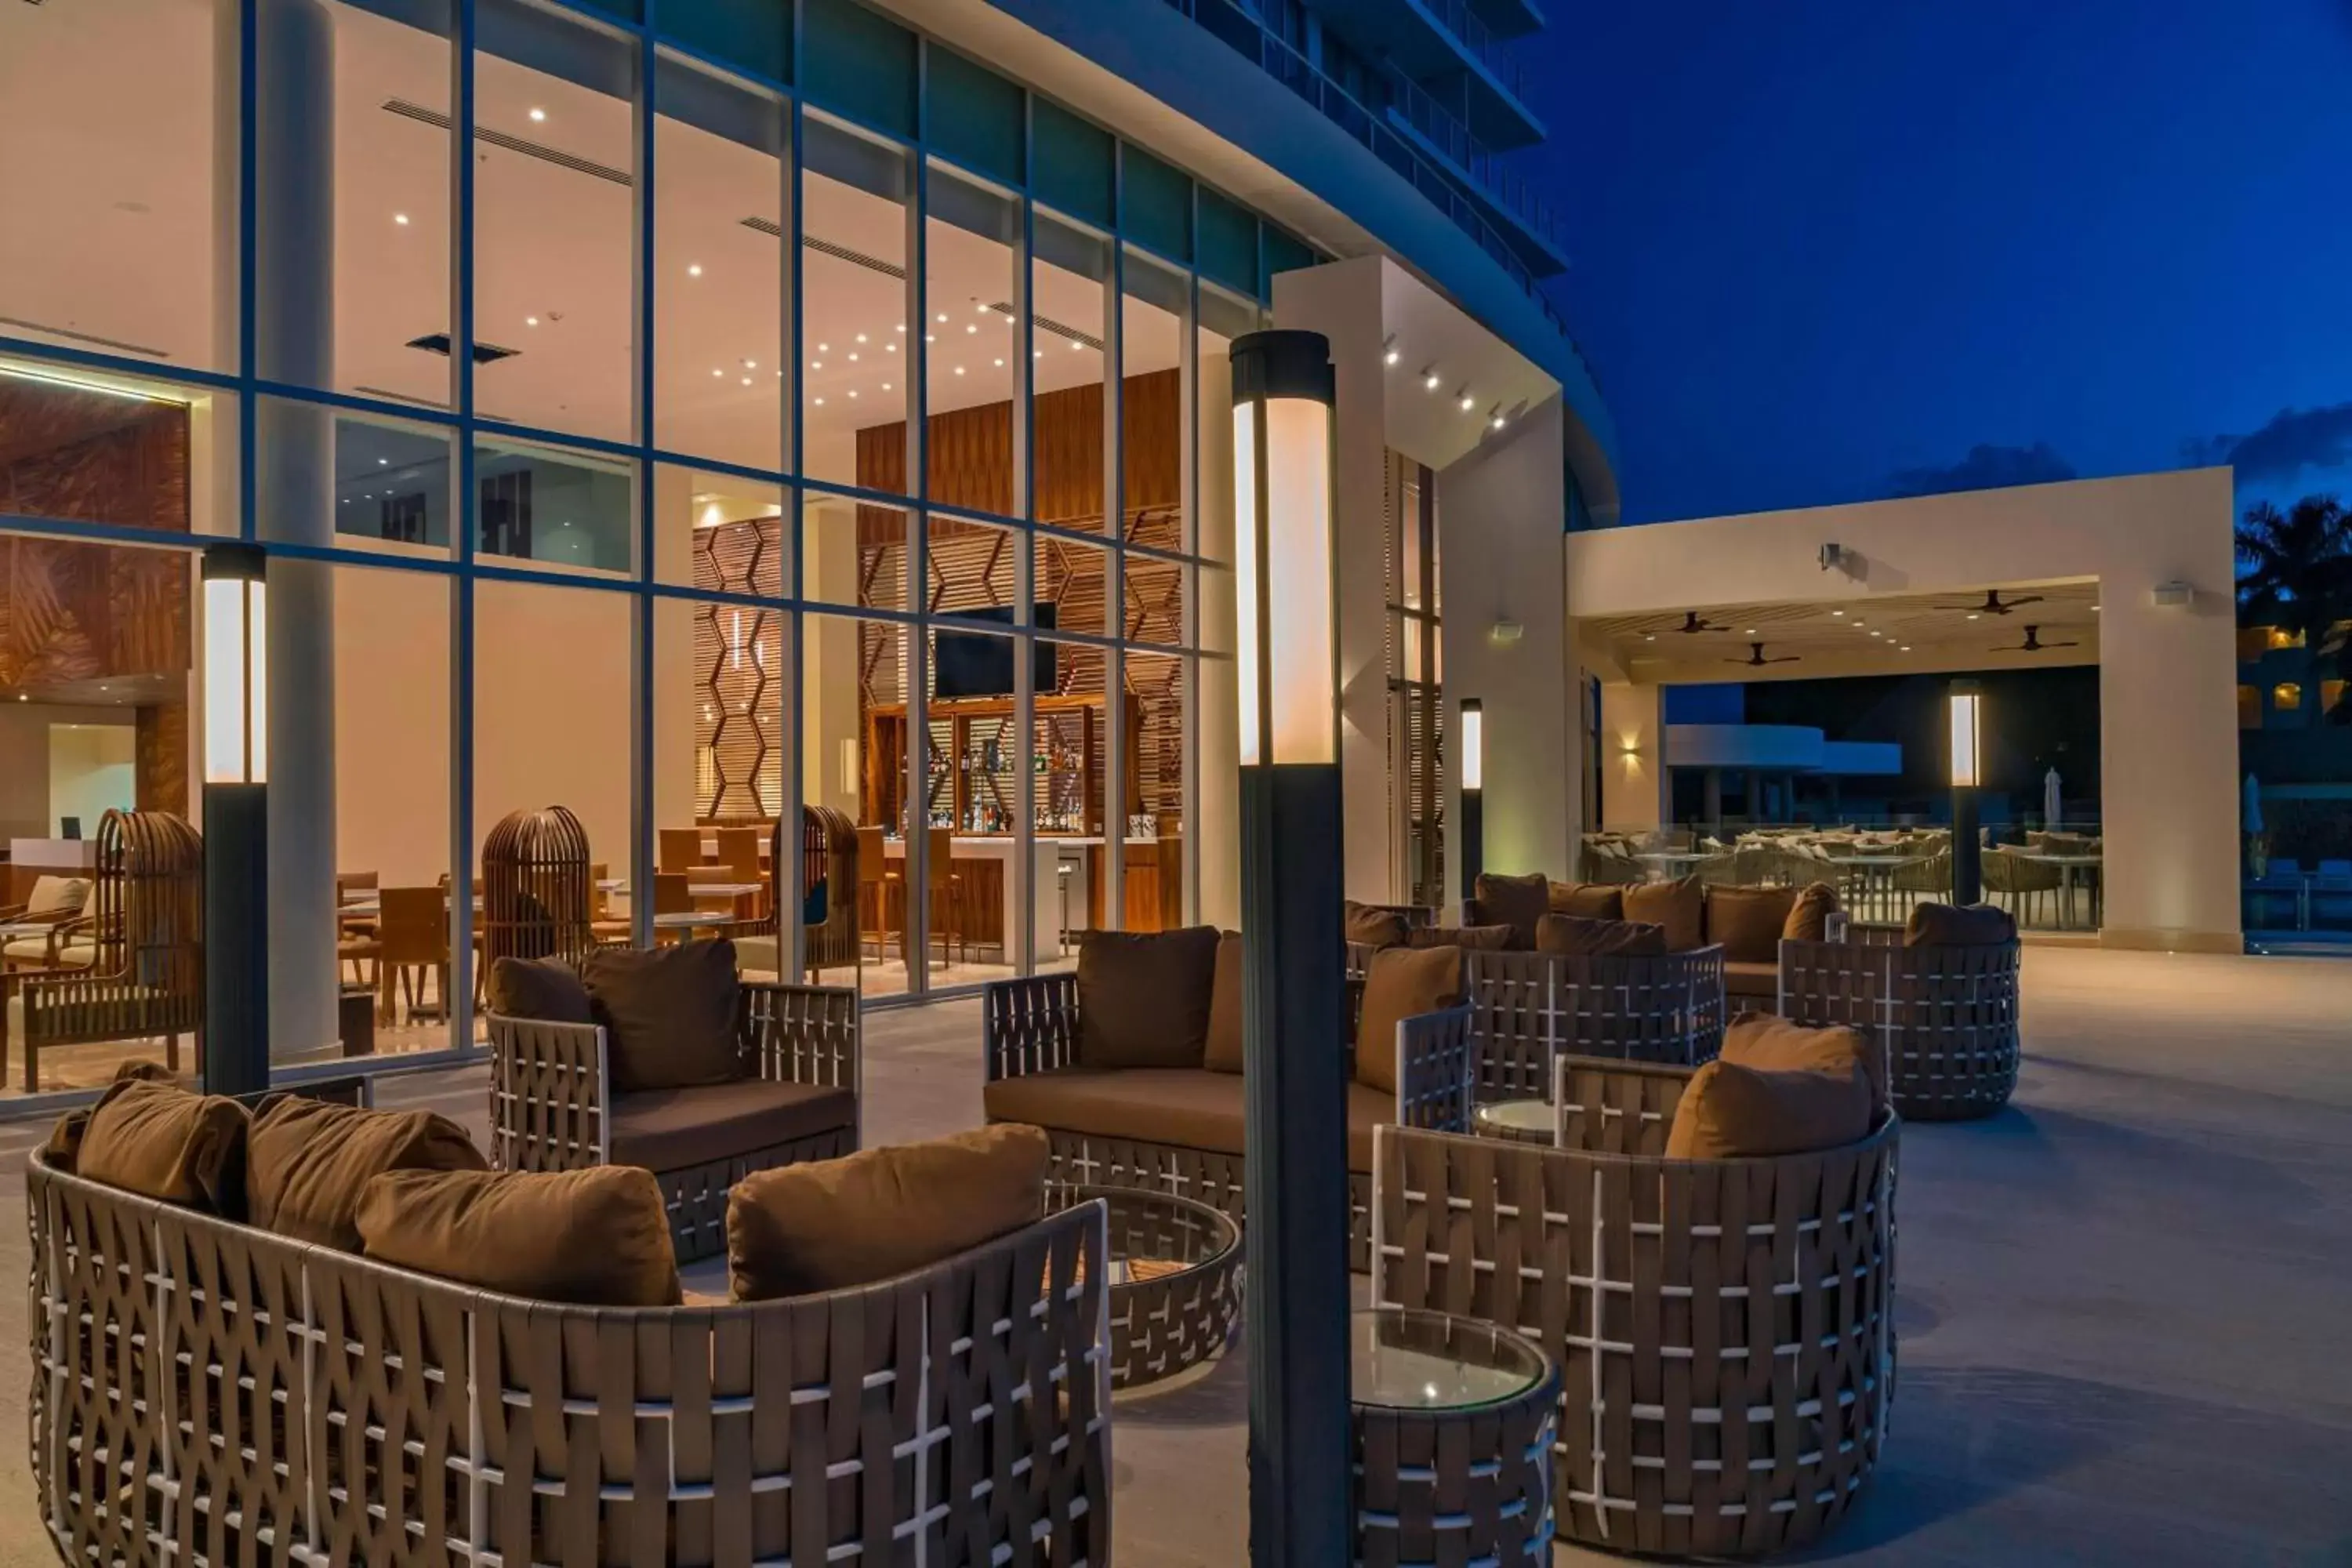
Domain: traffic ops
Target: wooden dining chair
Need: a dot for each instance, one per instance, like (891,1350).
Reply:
(680,848)
(878,887)
(943,894)
(672,895)
(413,938)
(739,852)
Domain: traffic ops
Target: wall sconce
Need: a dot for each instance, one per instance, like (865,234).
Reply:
(237,818)
(1295,1183)
(1474,794)
(1967,773)
(1503,634)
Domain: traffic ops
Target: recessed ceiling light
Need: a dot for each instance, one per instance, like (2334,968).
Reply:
(820,402)
(1000,364)
(889,348)
(1837,612)
(853,356)
(716,371)
(1751,631)
(1036,353)
(899,328)
(861,337)
(1429,381)
(751,364)
(1972,614)
(931,337)
(694,269)
(1390,357)
(399,219)
(1649,637)
(824,348)
(1907,648)
(1075,345)
(1465,405)
(958,370)
(538,116)
(2095,609)
(531,320)
(943,316)
(747,380)
(978,309)
(816,364)
(853,392)
(886,386)
(384,462)
(972,326)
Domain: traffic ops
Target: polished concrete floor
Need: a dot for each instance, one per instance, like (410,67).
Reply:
(2124,1303)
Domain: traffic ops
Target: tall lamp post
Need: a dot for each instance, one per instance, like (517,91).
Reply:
(1968,764)
(237,819)
(1474,794)
(1295,1180)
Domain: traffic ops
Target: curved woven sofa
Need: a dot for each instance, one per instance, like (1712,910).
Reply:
(1947,1016)
(1529,1008)
(203,1393)
(1724,1328)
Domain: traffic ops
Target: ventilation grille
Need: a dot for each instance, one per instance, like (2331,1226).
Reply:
(499,139)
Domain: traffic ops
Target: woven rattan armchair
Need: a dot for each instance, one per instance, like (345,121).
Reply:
(1030,1028)
(1724,1329)
(195,1381)
(1948,1016)
(1528,1008)
(553,1107)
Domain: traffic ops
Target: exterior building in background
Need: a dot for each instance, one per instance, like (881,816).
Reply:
(701,414)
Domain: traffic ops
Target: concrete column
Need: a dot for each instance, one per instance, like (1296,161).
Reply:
(1342,301)
(1499,508)
(294,329)
(1636,784)
(1216,830)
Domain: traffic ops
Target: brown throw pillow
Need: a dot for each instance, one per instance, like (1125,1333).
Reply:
(1144,997)
(1680,906)
(1401,983)
(669,1014)
(1372,927)
(1223,1051)
(1809,916)
(1772,1044)
(1730,1112)
(64,1145)
(1946,925)
(308,1162)
(160,1140)
(1486,938)
(1747,921)
(597,1238)
(544,990)
(1517,902)
(1575,937)
(1589,900)
(828,1225)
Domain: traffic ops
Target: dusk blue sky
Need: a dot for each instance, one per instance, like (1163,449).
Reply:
(1826,250)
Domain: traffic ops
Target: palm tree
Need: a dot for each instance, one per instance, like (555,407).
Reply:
(2295,571)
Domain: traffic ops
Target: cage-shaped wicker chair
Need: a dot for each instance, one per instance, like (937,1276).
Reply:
(537,895)
(1948,1017)
(145,926)
(1528,1008)
(828,892)
(1724,1328)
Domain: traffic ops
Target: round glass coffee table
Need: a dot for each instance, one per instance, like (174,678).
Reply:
(1454,1426)
(1516,1120)
(1175,1282)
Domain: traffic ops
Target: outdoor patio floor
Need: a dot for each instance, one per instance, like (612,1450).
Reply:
(2123,1302)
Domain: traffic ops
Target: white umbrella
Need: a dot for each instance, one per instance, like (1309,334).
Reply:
(2049,799)
(2253,807)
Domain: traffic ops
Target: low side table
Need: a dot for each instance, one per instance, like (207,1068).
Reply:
(1175,1285)
(1517,1120)
(1454,1426)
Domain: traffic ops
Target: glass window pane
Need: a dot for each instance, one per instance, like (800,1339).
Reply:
(975,115)
(1069,756)
(358,481)
(718,532)
(861,63)
(554,509)
(854,194)
(553,221)
(1228,242)
(1069,284)
(1159,203)
(115,222)
(1155,592)
(1156,875)
(723,679)
(1152,406)
(1073,587)
(754,35)
(719,283)
(1073,162)
(1285,253)
(970,256)
(974,570)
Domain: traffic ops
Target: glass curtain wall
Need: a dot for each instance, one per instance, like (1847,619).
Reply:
(768,440)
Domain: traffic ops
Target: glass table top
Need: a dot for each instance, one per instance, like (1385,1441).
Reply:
(1402,1359)
(1533,1117)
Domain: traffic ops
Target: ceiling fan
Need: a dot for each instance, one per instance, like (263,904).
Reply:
(1756,659)
(2034,643)
(1693,623)
(1994,605)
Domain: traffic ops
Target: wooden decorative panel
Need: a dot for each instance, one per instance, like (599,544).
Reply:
(739,666)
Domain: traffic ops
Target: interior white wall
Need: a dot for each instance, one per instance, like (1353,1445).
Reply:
(27,806)
(2167,699)
(1634,781)
(391,749)
(90,772)
(1501,510)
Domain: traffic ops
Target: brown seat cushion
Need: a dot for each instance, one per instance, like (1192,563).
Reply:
(309,1162)
(1747,921)
(669,1014)
(1728,1112)
(544,990)
(1576,936)
(1374,927)
(598,1238)
(1367,1109)
(1946,925)
(829,1224)
(1588,901)
(1517,902)
(1809,916)
(1680,906)
(1760,982)
(1223,1051)
(161,1142)
(674,1129)
(1772,1044)
(64,1145)
(1190,1108)
(1401,983)
(1486,938)
(1143,997)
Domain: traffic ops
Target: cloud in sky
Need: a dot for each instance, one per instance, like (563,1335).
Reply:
(2294,440)
(1985,468)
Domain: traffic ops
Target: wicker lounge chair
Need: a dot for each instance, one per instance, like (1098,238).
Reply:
(553,1107)
(205,1393)
(1724,1328)
(1528,1008)
(1947,1016)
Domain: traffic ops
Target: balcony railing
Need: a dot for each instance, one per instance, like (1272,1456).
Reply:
(1475,37)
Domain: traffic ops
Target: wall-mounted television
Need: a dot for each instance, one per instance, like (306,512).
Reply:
(979,664)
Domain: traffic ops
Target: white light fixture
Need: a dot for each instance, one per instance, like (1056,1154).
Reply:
(531,320)
(1288,663)
(943,316)
(236,666)
(958,370)
(853,356)
(1837,612)
(538,116)
(886,386)
(1474,744)
(694,269)
(747,380)
(399,219)
(999,363)
(1967,735)
(861,337)
(1465,400)
(824,348)
(972,326)
(1388,354)
(820,402)
(889,348)
(853,392)
(751,364)
(1429,378)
